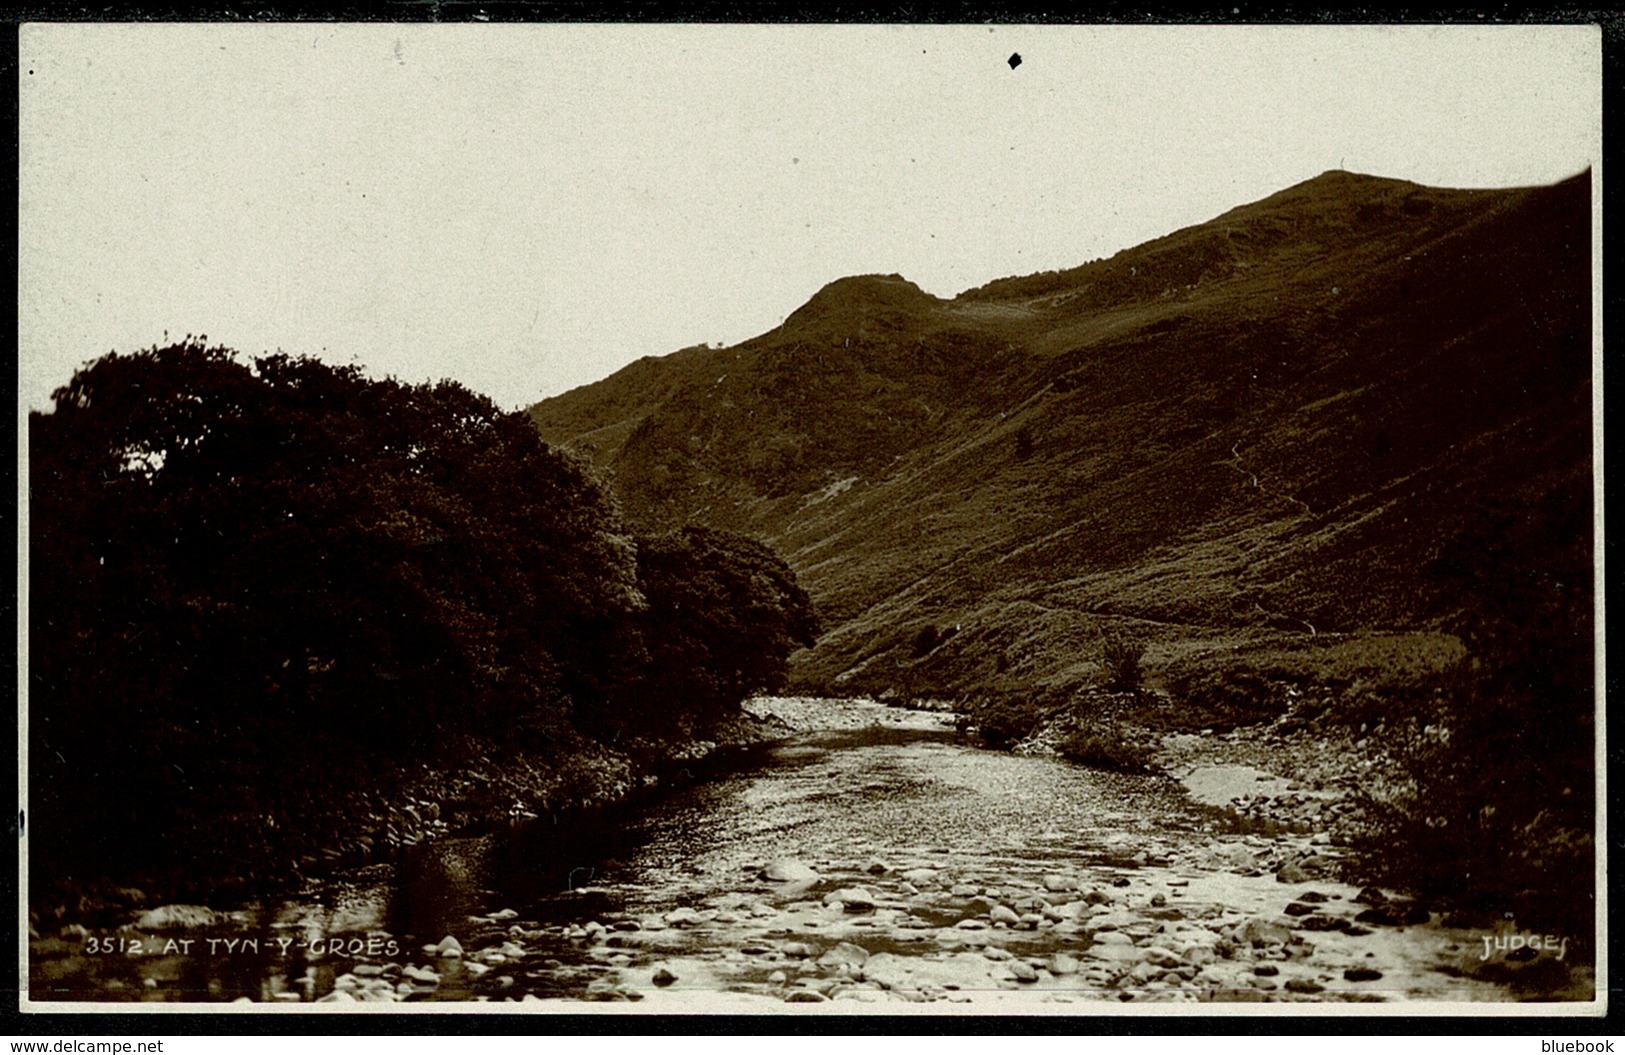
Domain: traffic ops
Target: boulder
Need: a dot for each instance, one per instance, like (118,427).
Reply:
(663,976)
(845,953)
(1322,923)
(851,899)
(1263,932)
(1062,963)
(449,947)
(789,870)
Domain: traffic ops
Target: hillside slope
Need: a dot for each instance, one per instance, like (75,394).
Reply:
(1266,426)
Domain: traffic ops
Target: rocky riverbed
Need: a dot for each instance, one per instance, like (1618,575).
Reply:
(873,860)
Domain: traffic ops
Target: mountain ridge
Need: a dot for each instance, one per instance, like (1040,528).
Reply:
(1271,423)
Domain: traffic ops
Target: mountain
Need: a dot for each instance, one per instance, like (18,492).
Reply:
(1275,426)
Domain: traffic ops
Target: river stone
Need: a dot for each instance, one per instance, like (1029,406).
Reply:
(922,876)
(971,924)
(851,899)
(1263,932)
(421,975)
(965,890)
(1362,974)
(963,970)
(1304,985)
(1313,897)
(1305,869)
(1004,914)
(1063,963)
(1022,970)
(663,976)
(337,996)
(1156,954)
(171,917)
(449,947)
(1097,897)
(790,870)
(367,970)
(1115,954)
(993,952)
(1300,908)
(844,953)
(1322,923)
(1112,937)
(805,996)
(682,917)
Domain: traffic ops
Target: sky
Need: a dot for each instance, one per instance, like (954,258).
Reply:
(526,209)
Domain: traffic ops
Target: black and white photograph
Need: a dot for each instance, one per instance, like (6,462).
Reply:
(852,519)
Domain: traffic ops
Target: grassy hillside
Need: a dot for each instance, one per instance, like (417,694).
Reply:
(1257,433)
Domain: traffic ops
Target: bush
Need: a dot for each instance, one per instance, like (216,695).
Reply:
(925,640)
(1106,746)
(1471,816)
(1005,719)
(1491,801)
(1225,697)
(1120,656)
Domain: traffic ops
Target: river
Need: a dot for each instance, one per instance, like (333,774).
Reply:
(875,860)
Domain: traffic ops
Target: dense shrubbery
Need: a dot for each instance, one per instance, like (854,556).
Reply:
(723,615)
(255,588)
(1223,697)
(1494,804)
(1106,744)
(1004,719)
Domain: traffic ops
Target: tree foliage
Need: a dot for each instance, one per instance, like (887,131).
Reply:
(723,615)
(254,585)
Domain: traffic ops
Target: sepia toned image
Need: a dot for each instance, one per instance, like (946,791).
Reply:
(810,520)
